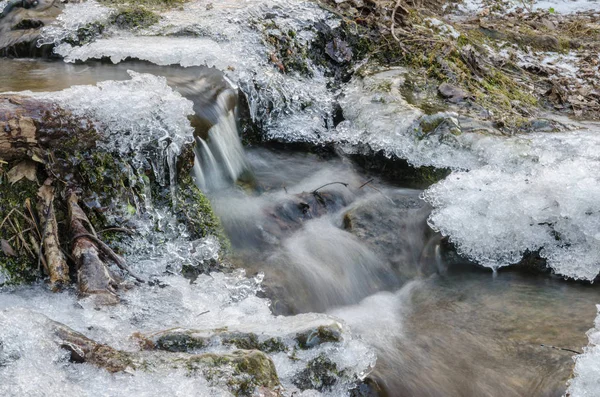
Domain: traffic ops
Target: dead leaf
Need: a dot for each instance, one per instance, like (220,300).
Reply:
(7,249)
(25,169)
(37,158)
(46,193)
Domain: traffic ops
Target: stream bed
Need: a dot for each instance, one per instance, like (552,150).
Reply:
(314,233)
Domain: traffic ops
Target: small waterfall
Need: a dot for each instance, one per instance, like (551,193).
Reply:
(220,158)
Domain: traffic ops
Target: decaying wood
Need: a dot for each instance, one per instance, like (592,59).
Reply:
(86,350)
(30,126)
(93,275)
(56,263)
(106,250)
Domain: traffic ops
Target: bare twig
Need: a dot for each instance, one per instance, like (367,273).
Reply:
(118,229)
(366,183)
(328,184)
(562,348)
(393,27)
(44,231)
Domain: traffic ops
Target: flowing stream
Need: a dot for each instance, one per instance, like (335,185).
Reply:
(329,237)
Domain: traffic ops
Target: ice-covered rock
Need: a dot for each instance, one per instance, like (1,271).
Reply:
(73,18)
(215,302)
(539,192)
(586,380)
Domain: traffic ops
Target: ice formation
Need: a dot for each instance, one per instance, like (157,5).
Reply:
(131,113)
(494,216)
(507,195)
(586,380)
(135,114)
(230,37)
(74,17)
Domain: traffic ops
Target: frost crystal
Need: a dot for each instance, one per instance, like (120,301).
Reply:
(132,114)
(231,37)
(73,18)
(586,382)
(540,193)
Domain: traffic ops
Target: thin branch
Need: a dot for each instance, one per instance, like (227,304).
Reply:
(328,184)
(562,348)
(366,183)
(44,231)
(118,229)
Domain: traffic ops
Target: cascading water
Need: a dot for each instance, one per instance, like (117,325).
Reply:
(359,250)
(220,158)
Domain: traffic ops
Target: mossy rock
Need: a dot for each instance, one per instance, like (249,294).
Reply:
(180,342)
(194,209)
(245,370)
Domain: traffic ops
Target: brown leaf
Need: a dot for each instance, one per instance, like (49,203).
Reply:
(46,193)
(25,169)
(7,249)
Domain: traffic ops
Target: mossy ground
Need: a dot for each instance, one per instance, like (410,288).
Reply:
(135,17)
(15,229)
(467,58)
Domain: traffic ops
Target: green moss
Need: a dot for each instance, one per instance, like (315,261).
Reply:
(289,54)
(320,374)
(249,341)
(149,3)
(86,34)
(273,345)
(23,267)
(244,370)
(194,209)
(134,18)
(430,124)
(242,341)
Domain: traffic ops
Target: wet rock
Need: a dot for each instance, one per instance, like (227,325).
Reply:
(20,28)
(453,93)
(395,226)
(182,340)
(320,374)
(339,50)
(241,371)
